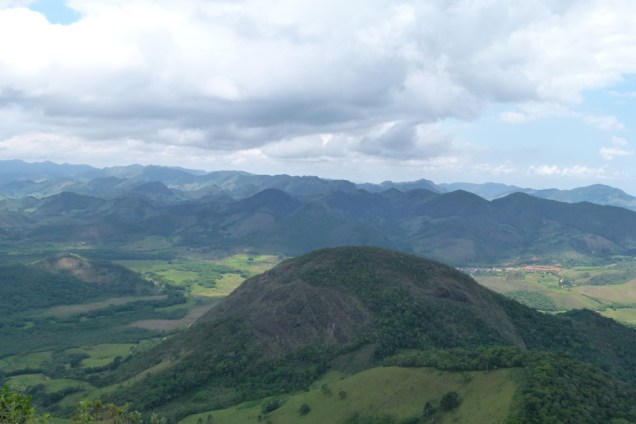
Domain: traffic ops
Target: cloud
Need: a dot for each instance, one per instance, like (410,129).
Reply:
(619,148)
(278,78)
(500,169)
(533,111)
(576,171)
(605,123)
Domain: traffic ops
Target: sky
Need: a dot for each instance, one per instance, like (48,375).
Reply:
(539,93)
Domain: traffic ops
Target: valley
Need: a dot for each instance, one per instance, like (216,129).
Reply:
(266,300)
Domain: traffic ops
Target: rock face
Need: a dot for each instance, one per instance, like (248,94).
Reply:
(333,296)
(285,316)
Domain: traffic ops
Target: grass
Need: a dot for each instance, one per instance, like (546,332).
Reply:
(575,288)
(82,308)
(224,286)
(196,309)
(50,385)
(103,354)
(486,397)
(20,362)
(204,277)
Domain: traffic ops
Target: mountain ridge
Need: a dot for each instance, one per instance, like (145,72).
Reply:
(21,179)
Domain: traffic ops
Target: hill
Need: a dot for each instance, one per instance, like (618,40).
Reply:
(106,276)
(349,309)
(62,280)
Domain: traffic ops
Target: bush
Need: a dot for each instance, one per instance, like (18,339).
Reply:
(271,406)
(449,401)
(15,407)
(304,409)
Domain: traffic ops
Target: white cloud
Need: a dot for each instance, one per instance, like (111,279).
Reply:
(274,78)
(500,169)
(605,123)
(576,171)
(619,148)
(533,111)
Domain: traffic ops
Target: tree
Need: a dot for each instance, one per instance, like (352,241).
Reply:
(16,408)
(428,411)
(304,409)
(449,401)
(94,411)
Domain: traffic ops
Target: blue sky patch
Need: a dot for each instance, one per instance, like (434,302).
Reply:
(55,11)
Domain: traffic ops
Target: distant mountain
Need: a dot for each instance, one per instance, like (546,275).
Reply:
(597,193)
(403,186)
(457,227)
(283,329)
(20,179)
(14,170)
(488,191)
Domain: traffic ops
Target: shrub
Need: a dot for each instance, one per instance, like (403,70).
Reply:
(304,409)
(270,406)
(449,401)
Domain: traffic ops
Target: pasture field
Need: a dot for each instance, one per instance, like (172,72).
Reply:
(397,392)
(20,362)
(68,310)
(102,354)
(609,289)
(210,277)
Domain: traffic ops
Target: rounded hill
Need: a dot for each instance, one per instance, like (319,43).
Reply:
(333,296)
(348,308)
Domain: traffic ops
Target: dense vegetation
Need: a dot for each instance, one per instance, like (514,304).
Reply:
(22,287)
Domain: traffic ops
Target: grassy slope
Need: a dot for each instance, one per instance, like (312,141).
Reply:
(400,392)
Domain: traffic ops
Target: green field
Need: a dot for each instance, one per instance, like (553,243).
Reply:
(609,289)
(204,276)
(401,393)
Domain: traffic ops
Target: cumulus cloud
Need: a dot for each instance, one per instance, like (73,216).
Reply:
(620,147)
(324,79)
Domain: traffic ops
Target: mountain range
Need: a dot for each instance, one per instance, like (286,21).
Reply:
(20,179)
(457,227)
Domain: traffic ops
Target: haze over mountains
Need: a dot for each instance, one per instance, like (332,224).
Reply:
(229,211)
(20,179)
